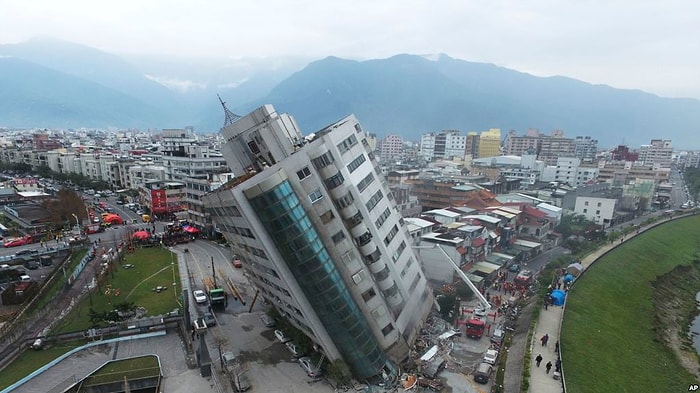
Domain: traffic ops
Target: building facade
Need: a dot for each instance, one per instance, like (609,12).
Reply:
(318,228)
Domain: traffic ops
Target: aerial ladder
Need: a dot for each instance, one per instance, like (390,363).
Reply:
(475,326)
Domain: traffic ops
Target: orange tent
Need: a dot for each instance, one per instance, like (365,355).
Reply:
(113,219)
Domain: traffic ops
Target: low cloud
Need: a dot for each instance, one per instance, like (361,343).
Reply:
(179,85)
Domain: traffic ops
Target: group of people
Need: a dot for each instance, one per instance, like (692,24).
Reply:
(548,367)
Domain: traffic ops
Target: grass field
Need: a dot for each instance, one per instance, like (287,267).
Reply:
(118,370)
(152,267)
(608,337)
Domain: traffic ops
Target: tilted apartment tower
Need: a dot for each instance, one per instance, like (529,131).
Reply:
(323,240)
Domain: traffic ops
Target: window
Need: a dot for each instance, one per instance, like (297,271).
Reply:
(232,211)
(399,251)
(323,161)
(382,218)
(315,196)
(344,201)
(245,232)
(334,181)
(304,173)
(374,200)
(368,294)
(358,128)
(359,276)
(258,252)
(365,182)
(390,236)
(600,204)
(405,268)
(414,284)
(338,237)
(387,329)
(354,164)
(585,211)
(253,147)
(597,212)
(585,203)
(327,217)
(347,144)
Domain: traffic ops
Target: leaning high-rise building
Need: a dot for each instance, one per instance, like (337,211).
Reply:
(323,240)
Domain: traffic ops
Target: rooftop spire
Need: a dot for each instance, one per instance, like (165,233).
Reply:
(230,116)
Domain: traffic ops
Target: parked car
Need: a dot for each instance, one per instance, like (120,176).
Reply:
(294,349)
(483,373)
(19,241)
(199,296)
(310,368)
(498,335)
(514,268)
(240,382)
(237,263)
(268,320)
(209,319)
(281,336)
(490,356)
(26,252)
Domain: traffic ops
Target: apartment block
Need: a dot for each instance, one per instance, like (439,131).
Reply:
(323,242)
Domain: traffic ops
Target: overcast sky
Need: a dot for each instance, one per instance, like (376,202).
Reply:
(652,45)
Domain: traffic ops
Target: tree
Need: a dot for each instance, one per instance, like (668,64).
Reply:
(66,204)
(339,371)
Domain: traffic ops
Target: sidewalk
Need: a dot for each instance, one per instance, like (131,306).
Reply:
(549,322)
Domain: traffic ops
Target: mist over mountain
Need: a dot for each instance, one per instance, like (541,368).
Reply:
(52,84)
(410,95)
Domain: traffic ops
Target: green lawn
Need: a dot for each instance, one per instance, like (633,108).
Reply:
(140,367)
(30,361)
(608,338)
(152,267)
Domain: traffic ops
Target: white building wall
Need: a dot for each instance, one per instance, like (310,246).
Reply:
(599,210)
(427,146)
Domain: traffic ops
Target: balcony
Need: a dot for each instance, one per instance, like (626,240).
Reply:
(364,239)
(373,257)
(354,220)
(382,274)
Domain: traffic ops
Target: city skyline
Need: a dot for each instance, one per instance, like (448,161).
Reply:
(635,45)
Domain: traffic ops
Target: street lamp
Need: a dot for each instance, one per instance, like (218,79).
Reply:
(77,223)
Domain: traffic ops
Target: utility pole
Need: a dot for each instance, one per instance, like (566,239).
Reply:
(213,272)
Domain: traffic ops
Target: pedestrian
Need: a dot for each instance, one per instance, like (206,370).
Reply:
(543,340)
(556,347)
(548,366)
(557,366)
(538,359)
(546,301)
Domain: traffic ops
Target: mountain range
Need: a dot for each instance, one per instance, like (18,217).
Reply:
(56,84)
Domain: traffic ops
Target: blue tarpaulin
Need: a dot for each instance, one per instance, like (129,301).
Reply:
(558,297)
(568,278)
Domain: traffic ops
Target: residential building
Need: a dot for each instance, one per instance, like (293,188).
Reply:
(658,152)
(438,193)
(195,164)
(585,148)
(390,148)
(318,228)
(490,143)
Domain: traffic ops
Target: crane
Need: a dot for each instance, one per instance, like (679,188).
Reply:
(486,306)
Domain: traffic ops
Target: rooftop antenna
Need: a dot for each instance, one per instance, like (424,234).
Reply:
(230,116)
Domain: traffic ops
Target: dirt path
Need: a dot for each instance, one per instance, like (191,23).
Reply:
(146,279)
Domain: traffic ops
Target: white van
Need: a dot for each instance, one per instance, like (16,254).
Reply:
(25,278)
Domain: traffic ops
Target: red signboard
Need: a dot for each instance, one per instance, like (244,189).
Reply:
(25,181)
(159,201)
